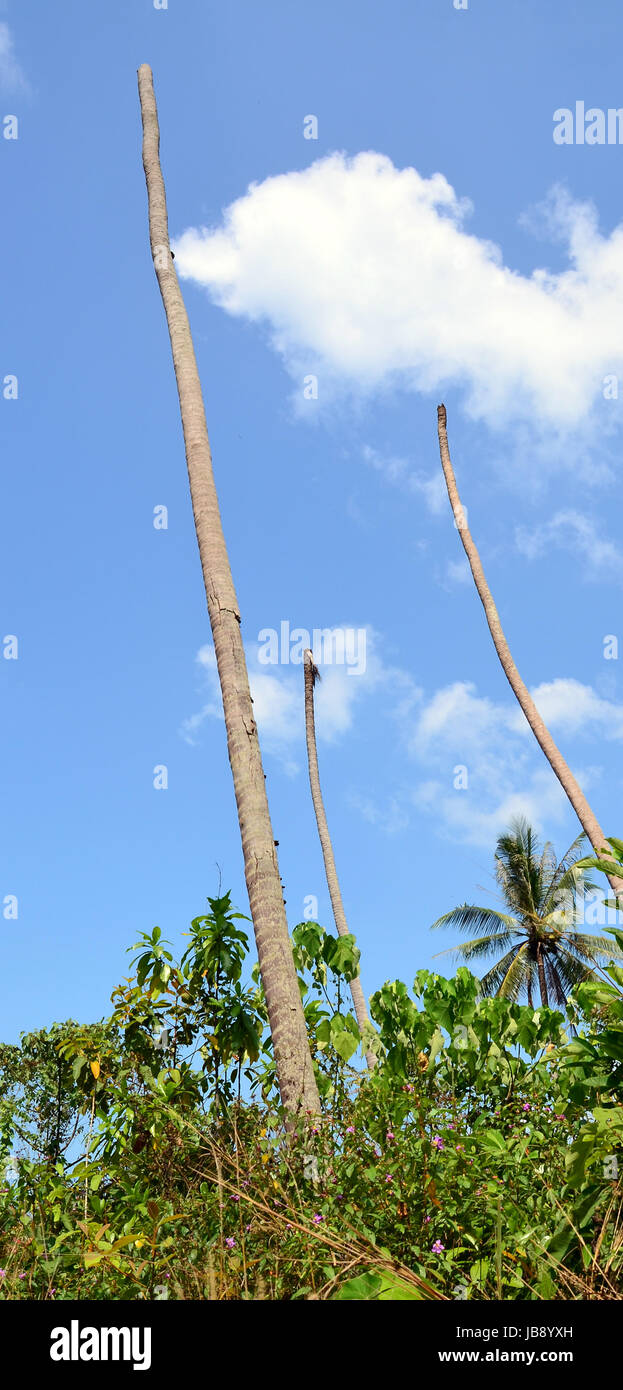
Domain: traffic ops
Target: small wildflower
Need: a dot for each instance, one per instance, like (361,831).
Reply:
(235,1197)
(438,1142)
(438,1248)
(388,1177)
(389,1135)
(2,1273)
(526,1106)
(317,1219)
(427,1219)
(230,1242)
(351,1129)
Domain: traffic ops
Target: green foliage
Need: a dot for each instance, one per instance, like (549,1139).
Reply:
(541,953)
(146,1158)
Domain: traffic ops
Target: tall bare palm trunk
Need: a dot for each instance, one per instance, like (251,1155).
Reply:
(587,819)
(287,1022)
(359,1002)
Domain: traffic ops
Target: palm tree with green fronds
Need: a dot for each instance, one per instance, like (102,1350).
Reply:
(537,939)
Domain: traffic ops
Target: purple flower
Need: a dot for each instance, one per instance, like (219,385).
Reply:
(235,1197)
(351,1129)
(438,1248)
(389,1135)
(427,1219)
(438,1142)
(388,1177)
(317,1219)
(526,1106)
(2,1273)
(230,1242)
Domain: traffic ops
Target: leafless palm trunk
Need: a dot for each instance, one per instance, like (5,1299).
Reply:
(359,1002)
(587,819)
(287,1022)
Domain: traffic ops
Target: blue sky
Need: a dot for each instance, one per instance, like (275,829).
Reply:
(434,242)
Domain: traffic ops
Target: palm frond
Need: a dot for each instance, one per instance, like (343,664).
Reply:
(563,971)
(556,977)
(479,946)
(493,981)
(591,947)
(517,974)
(467,917)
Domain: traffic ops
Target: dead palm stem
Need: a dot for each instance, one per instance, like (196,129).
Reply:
(359,1002)
(576,796)
(293,1060)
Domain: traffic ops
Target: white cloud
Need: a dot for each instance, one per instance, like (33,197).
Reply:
(390,817)
(570,707)
(506,772)
(458,572)
(366,273)
(452,729)
(277,692)
(477,818)
(11,75)
(570,530)
(399,472)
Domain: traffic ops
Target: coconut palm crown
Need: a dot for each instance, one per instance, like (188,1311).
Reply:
(537,940)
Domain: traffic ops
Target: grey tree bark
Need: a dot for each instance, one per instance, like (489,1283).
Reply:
(333,884)
(293,1060)
(586,816)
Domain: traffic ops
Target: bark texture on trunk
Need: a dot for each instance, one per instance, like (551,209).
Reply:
(359,1001)
(287,1022)
(540,965)
(576,796)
